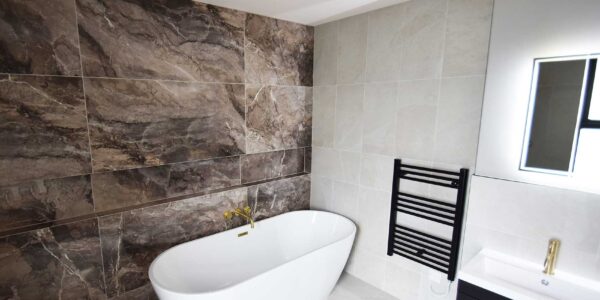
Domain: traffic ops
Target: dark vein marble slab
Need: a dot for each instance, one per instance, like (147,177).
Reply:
(277,197)
(136,123)
(161,39)
(131,240)
(45,201)
(113,190)
(39,37)
(278,117)
(268,165)
(278,52)
(61,262)
(43,129)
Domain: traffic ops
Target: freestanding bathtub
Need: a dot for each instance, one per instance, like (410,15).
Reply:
(294,256)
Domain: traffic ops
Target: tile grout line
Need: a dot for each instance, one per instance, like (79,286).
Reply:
(87,122)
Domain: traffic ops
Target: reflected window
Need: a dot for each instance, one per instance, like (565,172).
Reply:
(563,103)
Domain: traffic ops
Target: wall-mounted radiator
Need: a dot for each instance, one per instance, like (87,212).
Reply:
(432,251)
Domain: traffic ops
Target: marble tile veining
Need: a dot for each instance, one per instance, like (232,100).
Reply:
(131,240)
(278,52)
(277,197)
(113,190)
(61,262)
(262,166)
(43,129)
(39,37)
(278,117)
(178,40)
(136,123)
(42,201)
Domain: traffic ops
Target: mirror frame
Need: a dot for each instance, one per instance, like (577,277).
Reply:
(583,105)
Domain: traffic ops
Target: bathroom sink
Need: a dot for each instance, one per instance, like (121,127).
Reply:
(523,280)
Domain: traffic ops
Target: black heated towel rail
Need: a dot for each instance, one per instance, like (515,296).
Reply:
(435,252)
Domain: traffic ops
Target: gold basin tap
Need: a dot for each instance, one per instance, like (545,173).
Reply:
(551,256)
(238,212)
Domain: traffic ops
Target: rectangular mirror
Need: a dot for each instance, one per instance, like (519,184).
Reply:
(561,104)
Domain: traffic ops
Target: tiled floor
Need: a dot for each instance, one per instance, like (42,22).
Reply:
(352,288)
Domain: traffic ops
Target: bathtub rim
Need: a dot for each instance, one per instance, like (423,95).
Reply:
(352,235)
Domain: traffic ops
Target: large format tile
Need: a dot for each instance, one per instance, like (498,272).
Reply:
(379,118)
(349,117)
(43,129)
(281,196)
(406,41)
(323,113)
(39,37)
(467,37)
(45,201)
(352,49)
(278,52)
(137,123)
(458,121)
(268,165)
(61,262)
(278,117)
(131,240)
(326,54)
(113,190)
(416,119)
(178,40)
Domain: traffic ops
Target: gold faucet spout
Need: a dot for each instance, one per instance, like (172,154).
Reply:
(551,256)
(245,213)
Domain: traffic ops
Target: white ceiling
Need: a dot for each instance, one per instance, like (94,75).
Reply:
(309,12)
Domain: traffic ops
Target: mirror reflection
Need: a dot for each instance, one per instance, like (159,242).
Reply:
(561,105)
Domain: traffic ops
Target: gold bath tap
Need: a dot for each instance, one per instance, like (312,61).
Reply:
(245,213)
(551,256)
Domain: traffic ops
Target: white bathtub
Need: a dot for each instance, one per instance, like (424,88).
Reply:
(294,256)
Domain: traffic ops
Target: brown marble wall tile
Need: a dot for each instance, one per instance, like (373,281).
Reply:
(278,52)
(137,123)
(39,37)
(61,262)
(43,129)
(161,39)
(268,165)
(42,201)
(278,117)
(277,197)
(307,159)
(113,190)
(131,240)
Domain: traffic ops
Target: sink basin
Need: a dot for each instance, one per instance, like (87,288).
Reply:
(519,279)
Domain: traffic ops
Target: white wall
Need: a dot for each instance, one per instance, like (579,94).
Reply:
(404,81)
(522,31)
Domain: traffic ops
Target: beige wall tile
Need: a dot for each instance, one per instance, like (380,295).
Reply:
(325,61)
(352,49)
(467,37)
(348,117)
(323,115)
(379,118)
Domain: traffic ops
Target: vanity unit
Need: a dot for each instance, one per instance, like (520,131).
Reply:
(491,275)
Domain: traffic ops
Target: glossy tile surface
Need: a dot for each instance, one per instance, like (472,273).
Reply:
(135,123)
(276,197)
(278,52)
(131,240)
(278,117)
(120,189)
(47,200)
(262,166)
(39,37)
(43,128)
(61,262)
(163,39)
